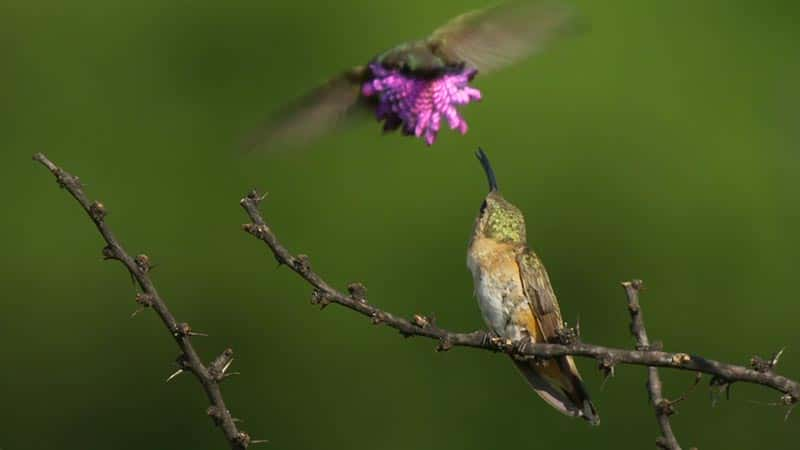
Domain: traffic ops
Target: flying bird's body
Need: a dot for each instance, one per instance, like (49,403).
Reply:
(517,300)
(418,57)
(417,85)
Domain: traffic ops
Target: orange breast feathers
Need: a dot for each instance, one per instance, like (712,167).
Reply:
(505,269)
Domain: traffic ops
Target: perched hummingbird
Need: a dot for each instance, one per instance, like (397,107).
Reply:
(517,301)
(415,85)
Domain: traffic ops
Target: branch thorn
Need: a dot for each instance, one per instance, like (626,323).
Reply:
(183,329)
(255,197)
(175,374)
(98,211)
(607,367)
(109,253)
(321,298)
(719,385)
(790,401)
(378,318)
(568,336)
(243,439)
(225,368)
(215,414)
(301,263)
(142,263)
(766,365)
(358,292)
(444,345)
(421,321)
(220,365)
(145,300)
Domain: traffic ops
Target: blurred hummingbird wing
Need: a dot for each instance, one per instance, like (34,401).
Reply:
(539,293)
(313,115)
(495,37)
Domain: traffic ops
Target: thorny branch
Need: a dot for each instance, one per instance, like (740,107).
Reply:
(209,375)
(662,406)
(722,374)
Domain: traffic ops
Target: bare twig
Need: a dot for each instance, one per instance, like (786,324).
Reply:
(209,376)
(324,294)
(662,406)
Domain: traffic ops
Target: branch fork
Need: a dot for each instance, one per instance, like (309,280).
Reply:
(645,353)
(651,355)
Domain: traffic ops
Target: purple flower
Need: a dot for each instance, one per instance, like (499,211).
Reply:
(418,103)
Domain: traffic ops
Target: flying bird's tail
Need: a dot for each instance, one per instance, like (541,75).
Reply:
(558,382)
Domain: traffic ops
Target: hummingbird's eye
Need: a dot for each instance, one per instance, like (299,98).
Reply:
(483,207)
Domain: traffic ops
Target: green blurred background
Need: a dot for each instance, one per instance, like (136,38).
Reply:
(662,144)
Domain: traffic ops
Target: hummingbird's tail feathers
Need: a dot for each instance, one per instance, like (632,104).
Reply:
(566,394)
(487,167)
(578,391)
(548,391)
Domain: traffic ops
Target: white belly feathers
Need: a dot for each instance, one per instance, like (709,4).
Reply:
(498,294)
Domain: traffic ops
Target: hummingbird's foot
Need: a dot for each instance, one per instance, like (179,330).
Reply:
(521,346)
(495,340)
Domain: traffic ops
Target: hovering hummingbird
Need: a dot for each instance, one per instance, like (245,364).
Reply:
(517,301)
(415,85)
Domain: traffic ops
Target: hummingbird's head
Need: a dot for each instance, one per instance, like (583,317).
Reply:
(498,219)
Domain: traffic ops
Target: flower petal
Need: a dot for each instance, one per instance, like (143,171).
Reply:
(418,104)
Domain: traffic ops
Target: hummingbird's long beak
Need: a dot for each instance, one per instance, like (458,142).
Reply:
(487,167)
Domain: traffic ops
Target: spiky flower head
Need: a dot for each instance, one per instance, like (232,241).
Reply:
(418,103)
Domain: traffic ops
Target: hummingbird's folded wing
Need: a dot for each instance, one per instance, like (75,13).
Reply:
(564,373)
(313,114)
(492,38)
(539,292)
